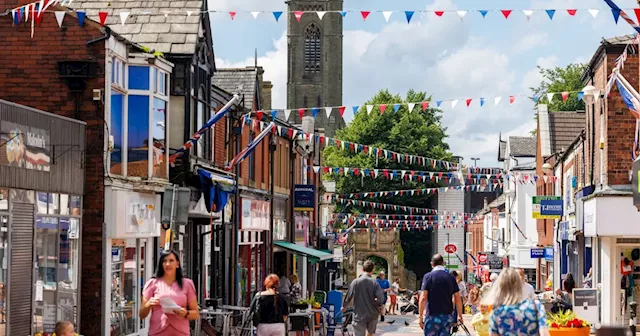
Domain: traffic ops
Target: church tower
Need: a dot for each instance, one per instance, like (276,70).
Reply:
(314,69)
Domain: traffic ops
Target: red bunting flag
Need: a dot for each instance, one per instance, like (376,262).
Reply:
(365,14)
(259,115)
(425,105)
(439,13)
(512,99)
(298,15)
(232,15)
(637,11)
(506,13)
(103,17)
(301,113)
(469,102)
(382,108)
(565,95)
(572,12)
(341,109)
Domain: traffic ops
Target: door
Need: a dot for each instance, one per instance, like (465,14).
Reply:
(21,273)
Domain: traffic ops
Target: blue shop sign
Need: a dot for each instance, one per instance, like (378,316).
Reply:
(548,253)
(551,208)
(537,253)
(304,197)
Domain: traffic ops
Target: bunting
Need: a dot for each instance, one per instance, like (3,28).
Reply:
(252,145)
(423,191)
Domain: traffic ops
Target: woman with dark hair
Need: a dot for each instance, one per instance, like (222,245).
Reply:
(169,283)
(272,309)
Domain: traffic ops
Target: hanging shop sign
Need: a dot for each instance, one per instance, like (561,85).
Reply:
(304,197)
(548,254)
(496,263)
(551,208)
(24,147)
(255,215)
(482,258)
(550,212)
(537,253)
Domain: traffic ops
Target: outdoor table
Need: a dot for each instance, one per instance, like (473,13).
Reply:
(309,315)
(208,314)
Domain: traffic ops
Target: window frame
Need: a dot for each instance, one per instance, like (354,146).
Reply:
(312,50)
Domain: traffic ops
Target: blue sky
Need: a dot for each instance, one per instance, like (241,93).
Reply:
(478,57)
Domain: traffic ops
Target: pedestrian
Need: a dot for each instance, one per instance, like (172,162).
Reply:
(368,301)
(439,291)
(285,287)
(386,288)
(461,285)
(512,313)
(588,279)
(474,299)
(296,289)
(527,289)
(272,309)
(168,284)
(64,328)
(393,295)
(480,321)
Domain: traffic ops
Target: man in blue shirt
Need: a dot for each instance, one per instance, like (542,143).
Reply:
(439,291)
(386,287)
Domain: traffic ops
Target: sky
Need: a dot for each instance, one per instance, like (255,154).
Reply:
(444,56)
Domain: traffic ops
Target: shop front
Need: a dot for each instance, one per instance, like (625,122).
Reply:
(41,187)
(132,223)
(254,224)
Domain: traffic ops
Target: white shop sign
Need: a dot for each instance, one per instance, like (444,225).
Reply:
(585,304)
(131,214)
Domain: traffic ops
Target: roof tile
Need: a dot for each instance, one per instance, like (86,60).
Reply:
(564,127)
(522,146)
(231,79)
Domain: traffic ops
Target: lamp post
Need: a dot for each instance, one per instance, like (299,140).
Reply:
(475,161)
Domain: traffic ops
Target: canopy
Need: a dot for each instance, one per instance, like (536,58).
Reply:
(312,253)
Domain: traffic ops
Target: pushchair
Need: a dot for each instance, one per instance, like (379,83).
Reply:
(455,328)
(347,319)
(409,303)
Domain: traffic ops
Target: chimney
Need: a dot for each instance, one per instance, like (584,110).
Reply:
(544,130)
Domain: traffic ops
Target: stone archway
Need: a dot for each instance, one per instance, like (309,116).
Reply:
(381,244)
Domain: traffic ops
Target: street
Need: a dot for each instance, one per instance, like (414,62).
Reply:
(396,325)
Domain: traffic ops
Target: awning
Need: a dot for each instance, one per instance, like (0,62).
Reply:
(311,253)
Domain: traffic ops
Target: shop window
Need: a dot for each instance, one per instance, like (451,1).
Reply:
(138,136)
(159,153)
(117,72)
(68,269)
(4,199)
(116,127)
(138,78)
(46,263)
(127,272)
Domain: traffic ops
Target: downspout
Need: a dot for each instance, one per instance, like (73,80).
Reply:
(292,163)
(593,132)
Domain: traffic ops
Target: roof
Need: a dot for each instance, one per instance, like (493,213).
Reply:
(525,166)
(606,42)
(162,26)
(240,81)
(522,146)
(564,127)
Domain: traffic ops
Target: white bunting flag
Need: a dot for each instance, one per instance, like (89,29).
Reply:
(27,10)
(287,113)
(550,97)
(123,17)
(497,100)
(369,109)
(594,12)
(596,95)
(375,173)
(316,169)
(527,13)
(189,13)
(454,103)
(387,15)
(411,106)
(346,171)
(327,110)
(255,14)
(321,14)
(59,17)
(461,14)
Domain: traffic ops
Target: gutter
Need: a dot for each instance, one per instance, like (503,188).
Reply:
(106,36)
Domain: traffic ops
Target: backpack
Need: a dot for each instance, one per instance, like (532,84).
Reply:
(255,309)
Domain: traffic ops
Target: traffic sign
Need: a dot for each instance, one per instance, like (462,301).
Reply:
(450,248)
(482,258)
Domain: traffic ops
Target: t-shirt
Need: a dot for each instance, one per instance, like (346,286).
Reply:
(528,291)
(367,298)
(161,321)
(272,312)
(440,287)
(480,322)
(395,289)
(384,284)
(285,286)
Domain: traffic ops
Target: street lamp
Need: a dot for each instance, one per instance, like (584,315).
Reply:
(589,94)
(475,161)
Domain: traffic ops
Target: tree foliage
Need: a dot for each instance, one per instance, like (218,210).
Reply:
(560,79)
(417,133)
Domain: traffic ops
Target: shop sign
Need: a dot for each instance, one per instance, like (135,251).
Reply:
(255,215)
(537,253)
(337,254)
(548,254)
(496,263)
(551,208)
(537,211)
(304,197)
(24,147)
(482,258)
(585,304)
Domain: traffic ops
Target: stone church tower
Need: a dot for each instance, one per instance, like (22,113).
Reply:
(314,69)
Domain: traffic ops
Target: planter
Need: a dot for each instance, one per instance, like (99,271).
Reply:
(584,331)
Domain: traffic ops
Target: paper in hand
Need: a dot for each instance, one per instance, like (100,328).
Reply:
(168,305)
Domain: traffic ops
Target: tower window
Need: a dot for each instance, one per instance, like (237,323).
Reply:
(312,49)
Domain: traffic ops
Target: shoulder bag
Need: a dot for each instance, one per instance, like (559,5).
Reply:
(255,309)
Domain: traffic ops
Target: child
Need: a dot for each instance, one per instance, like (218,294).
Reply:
(64,328)
(480,321)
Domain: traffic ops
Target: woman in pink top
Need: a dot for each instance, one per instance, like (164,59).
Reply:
(168,282)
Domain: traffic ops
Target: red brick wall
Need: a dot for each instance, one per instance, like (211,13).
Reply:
(543,226)
(476,227)
(219,142)
(29,76)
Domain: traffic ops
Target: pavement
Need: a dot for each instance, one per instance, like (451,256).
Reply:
(396,325)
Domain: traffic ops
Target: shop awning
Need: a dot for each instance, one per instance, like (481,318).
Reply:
(311,253)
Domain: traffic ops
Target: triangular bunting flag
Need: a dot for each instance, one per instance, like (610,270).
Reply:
(327,111)
(301,113)
(277,15)
(512,99)
(60,17)
(481,102)
(314,111)
(425,105)
(594,12)
(287,114)
(382,108)
(343,13)
(439,13)
(396,107)
(355,109)
(81,16)
(572,12)
(409,15)
(189,13)
(298,15)
(274,114)
(616,14)
(506,13)
(550,97)
(259,115)
(387,15)
(341,109)
(483,12)
(527,13)
(369,109)
(255,14)
(497,100)
(565,95)
(321,14)
(232,15)
(468,101)
(411,106)
(365,14)
(550,13)
(123,17)
(454,103)
(438,103)
(462,14)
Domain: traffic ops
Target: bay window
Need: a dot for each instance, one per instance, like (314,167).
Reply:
(138,118)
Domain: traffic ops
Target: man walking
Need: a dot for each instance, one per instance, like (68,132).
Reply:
(439,291)
(368,298)
(386,287)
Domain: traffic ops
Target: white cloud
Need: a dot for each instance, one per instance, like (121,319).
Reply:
(530,42)
(532,78)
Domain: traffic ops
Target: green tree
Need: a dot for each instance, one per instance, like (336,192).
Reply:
(560,79)
(409,132)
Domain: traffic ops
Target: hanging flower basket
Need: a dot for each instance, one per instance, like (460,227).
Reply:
(566,323)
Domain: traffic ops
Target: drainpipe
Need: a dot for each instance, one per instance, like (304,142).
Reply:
(593,133)
(272,150)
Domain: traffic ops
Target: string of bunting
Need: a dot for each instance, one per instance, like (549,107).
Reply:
(394,207)
(389,225)
(347,216)
(423,191)
(620,64)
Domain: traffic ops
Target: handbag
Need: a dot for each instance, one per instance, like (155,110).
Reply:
(255,309)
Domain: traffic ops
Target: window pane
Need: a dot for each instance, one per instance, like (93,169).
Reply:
(54,204)
(115,129)
(159,138)
(64,204)
(46,273)
(43,201)
(75,205)
(138,136)
(124,279)
(68,269)
(163,83)
(4,199)
(139,77)
(154,80)
(113,70)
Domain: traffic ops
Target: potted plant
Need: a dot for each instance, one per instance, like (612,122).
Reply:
(567,323)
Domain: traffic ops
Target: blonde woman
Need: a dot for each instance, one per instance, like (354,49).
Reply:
(296,289)
(513,314)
